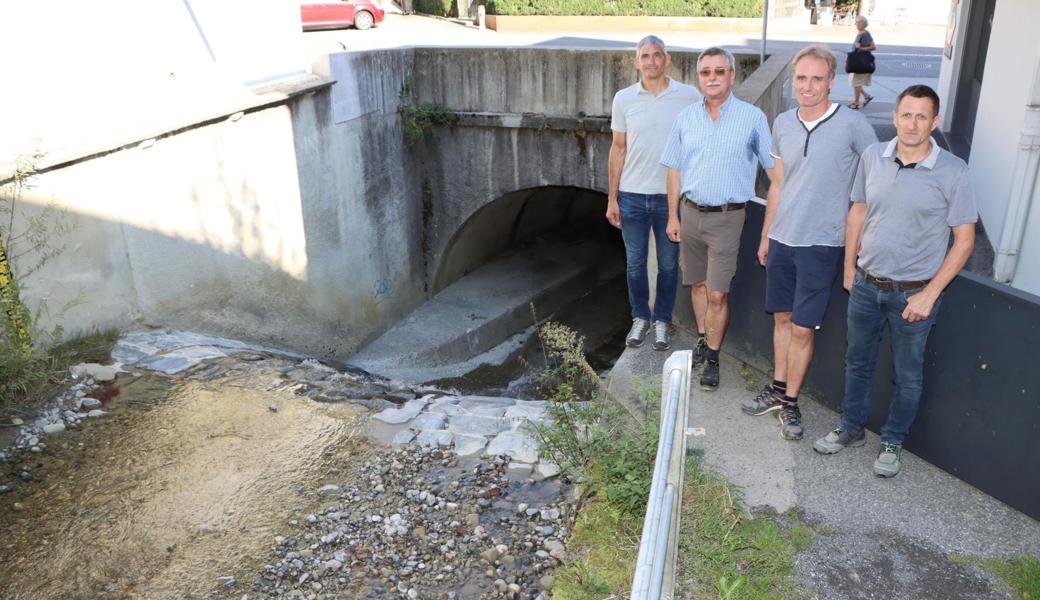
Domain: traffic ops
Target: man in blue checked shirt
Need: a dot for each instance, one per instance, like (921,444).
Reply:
(711,157)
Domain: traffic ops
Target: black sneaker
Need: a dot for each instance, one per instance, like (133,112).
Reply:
(700,352)
(767,401)
(710,377)
(790,421)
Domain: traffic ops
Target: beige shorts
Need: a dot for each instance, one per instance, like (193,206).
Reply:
(709,245)
(861,79)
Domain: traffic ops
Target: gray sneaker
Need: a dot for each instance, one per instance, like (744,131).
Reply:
(790,421)
(767,401)
(839,439)
(662,337)
(637,334)
(889,460)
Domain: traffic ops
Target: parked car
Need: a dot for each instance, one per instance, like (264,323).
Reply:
(332,14)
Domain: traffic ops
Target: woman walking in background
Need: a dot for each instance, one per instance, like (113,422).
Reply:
(864,43)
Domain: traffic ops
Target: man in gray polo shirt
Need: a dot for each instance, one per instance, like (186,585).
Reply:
(817,147)
(641,118)
(907,197)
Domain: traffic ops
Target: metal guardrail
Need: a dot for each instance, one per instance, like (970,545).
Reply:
(658,547)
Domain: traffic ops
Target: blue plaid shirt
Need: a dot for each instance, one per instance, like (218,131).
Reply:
(717,158)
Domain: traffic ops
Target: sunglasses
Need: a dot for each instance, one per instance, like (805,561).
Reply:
(719,72)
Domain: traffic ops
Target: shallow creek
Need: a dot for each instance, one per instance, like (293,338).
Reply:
(183,482)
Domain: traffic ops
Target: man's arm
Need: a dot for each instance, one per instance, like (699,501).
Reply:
(674,191)
(919,306)
(776,179)
(615,165)
(853,236)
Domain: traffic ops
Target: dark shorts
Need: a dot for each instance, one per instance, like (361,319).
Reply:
(799,280)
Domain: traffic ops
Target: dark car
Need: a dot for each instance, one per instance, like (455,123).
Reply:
(362,14)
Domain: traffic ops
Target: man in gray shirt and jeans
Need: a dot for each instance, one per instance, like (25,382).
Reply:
(641,117)
(817,148)
(907,197)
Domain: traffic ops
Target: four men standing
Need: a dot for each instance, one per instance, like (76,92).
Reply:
(907,195)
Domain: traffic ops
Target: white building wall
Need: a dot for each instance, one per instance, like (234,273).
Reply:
(83,74)
(999,121)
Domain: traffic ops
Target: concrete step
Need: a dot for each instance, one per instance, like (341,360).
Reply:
(466,324)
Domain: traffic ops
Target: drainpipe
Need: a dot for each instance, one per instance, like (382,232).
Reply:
(1023,187)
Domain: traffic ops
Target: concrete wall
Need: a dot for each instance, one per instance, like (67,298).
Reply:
(280,226)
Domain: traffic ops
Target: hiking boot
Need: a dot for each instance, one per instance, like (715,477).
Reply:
(700,352)
(662,337)
(637,334)
(839,439)
(766,401)
(790,421)
(889,460)
(710,377)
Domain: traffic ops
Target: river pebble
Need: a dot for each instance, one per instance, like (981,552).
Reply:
(451,528)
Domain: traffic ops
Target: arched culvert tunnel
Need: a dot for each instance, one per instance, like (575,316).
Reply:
(518,219)
(550,247)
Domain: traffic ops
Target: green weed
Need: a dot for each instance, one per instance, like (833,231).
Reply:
(725,553)
(1021,574)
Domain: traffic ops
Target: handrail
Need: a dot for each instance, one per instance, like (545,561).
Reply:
(655,568)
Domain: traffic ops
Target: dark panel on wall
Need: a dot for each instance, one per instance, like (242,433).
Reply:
(980,415)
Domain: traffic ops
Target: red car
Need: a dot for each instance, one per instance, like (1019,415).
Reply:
(362,14)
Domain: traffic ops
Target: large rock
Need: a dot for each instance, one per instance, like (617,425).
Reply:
(530,409)
(478,425)
(95,371)
(490,406)
(469,445)
(429,420)
(396,416)
(434,437)
(517,446)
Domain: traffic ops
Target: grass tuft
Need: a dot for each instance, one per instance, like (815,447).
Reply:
(27,382)
(604,546)
(725,553)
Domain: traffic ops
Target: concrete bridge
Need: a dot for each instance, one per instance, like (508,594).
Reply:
(303,218)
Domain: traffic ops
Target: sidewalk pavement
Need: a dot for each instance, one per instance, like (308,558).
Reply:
(890,538)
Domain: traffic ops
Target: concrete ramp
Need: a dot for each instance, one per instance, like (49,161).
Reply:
(485,316)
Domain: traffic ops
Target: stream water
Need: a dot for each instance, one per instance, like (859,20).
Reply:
(187,481)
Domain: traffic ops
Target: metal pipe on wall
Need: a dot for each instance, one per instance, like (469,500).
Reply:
(1023,186)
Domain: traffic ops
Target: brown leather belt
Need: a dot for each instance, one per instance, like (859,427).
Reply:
(889,285)
(704,208)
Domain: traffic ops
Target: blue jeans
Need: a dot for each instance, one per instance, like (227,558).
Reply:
(869,309)
(639,214)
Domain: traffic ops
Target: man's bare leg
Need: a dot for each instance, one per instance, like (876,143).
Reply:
(799,355)
(781,344)
(717,318)
(699,300)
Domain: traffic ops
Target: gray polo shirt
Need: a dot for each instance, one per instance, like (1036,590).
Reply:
(645,120)
(910,210)
(819,166)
